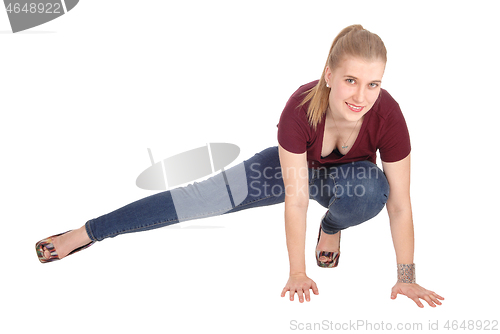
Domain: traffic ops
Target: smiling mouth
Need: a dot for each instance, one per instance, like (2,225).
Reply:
(353,107)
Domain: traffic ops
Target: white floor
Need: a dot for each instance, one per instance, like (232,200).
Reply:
(82,98)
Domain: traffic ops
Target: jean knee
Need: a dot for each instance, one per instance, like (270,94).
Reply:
(375,190)
(360,198)
(376,186)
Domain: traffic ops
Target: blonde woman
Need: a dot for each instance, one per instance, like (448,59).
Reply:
(328,134)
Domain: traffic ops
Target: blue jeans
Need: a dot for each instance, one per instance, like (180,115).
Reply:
(353,193)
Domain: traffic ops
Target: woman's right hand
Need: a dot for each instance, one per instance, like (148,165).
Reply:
(300,284)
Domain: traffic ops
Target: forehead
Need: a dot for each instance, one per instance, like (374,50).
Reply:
(367,70)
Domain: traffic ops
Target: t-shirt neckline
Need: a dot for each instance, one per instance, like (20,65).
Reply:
(321,128)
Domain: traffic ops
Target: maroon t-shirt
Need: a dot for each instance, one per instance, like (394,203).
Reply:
(383,128)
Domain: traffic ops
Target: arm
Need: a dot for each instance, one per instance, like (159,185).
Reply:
(296,184)
(401,222)
(399,208)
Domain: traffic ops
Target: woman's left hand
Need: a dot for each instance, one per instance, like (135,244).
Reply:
(416,292)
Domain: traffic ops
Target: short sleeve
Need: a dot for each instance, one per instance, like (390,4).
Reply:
(293,127)
(394,142)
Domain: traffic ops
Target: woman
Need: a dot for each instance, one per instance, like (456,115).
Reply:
(328,136)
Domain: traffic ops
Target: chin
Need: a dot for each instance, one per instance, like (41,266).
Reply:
(353,117)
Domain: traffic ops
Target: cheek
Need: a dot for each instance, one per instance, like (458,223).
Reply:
(372,96)
(338,95)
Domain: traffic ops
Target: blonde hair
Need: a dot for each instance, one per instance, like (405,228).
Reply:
(352,41)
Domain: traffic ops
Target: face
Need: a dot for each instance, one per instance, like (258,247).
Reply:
(355,86)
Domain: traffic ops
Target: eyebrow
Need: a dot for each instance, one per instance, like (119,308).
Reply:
(353,77)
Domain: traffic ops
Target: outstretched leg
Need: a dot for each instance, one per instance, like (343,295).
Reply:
(252,183)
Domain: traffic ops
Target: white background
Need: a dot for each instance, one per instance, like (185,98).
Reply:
(83,97)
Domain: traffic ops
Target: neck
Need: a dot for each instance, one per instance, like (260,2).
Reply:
(341,121)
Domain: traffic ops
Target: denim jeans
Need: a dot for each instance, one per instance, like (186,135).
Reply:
(353,193)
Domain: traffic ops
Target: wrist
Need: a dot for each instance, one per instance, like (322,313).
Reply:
(406,273)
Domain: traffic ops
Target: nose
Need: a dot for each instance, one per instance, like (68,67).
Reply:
(359,95)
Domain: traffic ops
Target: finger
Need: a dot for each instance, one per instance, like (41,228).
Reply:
(394,294)
(435,300)
(315,288)
(292,293)
(285,289)
(308,295)
(432,293)
(429,301)
(417,301)
(300,295)
(415,298)
(438,296)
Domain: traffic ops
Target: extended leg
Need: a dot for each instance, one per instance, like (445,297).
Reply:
(255,182)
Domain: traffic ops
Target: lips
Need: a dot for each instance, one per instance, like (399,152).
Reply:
(354,107)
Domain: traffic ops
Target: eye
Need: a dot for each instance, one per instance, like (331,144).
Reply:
(351,81)
(373,85)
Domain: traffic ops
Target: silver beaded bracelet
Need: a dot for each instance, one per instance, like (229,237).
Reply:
(406,273)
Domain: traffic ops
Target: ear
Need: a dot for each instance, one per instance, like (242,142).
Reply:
(328,75)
